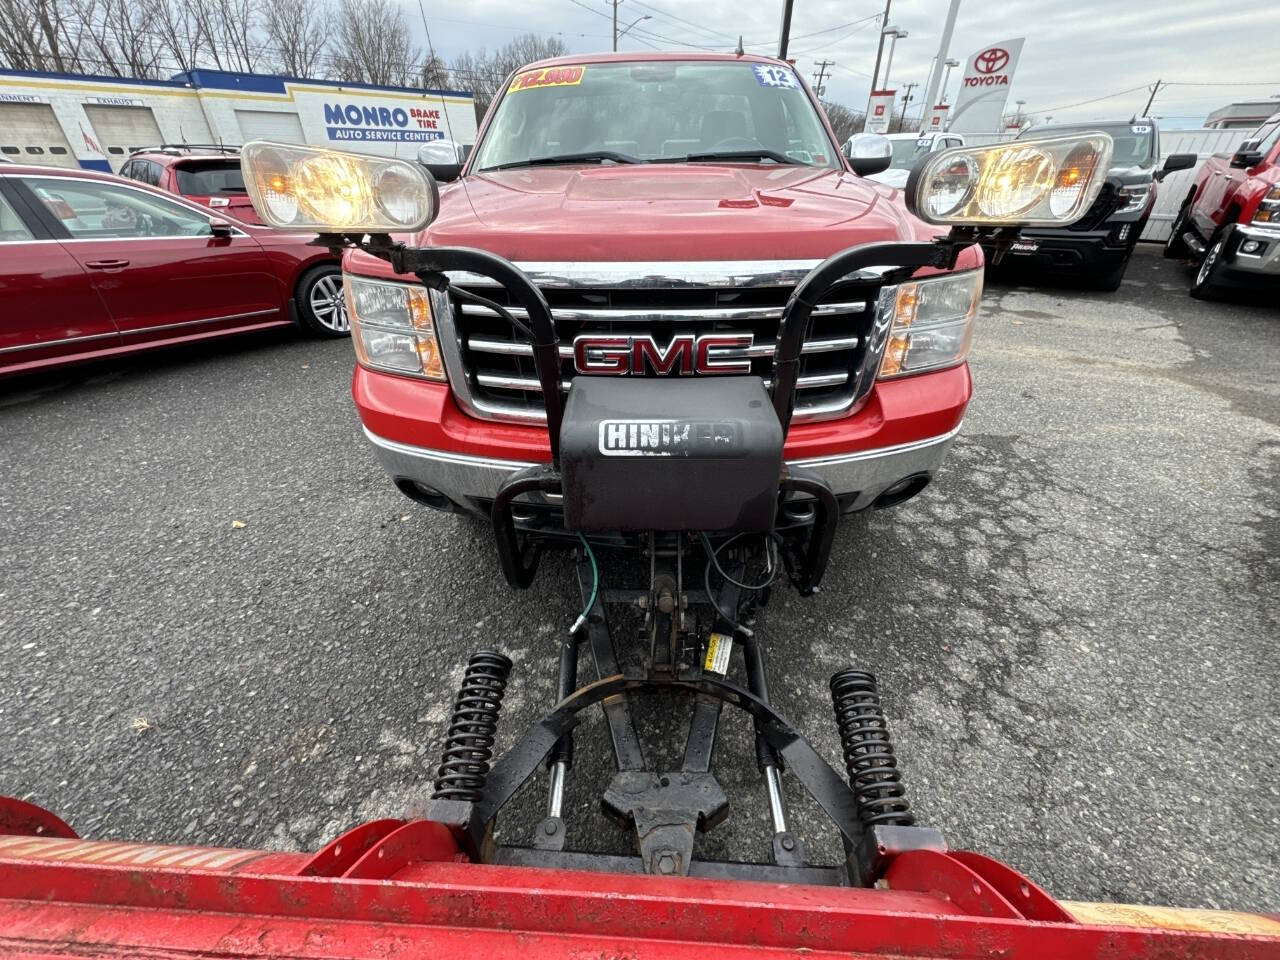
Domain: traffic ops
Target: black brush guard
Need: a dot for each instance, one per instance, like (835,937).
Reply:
(667,808)
(519,555)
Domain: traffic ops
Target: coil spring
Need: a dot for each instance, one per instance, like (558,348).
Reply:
(868,753)
(468,747)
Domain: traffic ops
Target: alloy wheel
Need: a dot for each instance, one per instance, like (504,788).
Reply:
(1209,262)
(328,305)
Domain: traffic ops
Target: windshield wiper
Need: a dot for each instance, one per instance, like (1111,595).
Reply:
(587,156)
(732,155)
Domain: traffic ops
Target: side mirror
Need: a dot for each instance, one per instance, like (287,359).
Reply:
(1177,161)
(442,159)
(219,227)
(1248,155)
(869,153)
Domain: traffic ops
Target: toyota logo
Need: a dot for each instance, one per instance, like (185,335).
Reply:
(991,61)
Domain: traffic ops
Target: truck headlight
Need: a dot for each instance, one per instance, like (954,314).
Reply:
(1043,182)
(932,322)
(1269,209)
(1133,198)
(392,327)
(312,190)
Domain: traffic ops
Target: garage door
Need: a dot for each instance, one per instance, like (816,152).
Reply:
(30,133)
(122,130)
(270,125)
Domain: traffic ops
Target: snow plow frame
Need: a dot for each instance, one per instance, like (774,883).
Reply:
(405,888)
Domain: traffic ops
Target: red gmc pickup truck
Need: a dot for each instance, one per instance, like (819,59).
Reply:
(666,205)
(1230,221)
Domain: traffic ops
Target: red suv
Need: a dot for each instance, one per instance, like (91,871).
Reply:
(1230,220)
(95,266)
(208,175)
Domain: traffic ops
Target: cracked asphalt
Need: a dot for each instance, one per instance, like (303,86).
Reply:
(1075,627)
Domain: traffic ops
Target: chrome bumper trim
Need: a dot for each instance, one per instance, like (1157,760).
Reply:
(464,478)
(643,274)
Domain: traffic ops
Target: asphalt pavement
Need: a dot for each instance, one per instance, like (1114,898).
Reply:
(220,623)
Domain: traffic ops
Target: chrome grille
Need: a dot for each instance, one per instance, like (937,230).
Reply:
(491,363)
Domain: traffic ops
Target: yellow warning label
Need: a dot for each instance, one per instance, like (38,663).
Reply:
(549,77)
(719,647)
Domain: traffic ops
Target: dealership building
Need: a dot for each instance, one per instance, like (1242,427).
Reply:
(73,120)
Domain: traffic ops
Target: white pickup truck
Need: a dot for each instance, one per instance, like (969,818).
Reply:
(908,148)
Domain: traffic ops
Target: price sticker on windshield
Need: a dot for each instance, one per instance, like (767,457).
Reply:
(548,77)
(1139,128)
(778,77)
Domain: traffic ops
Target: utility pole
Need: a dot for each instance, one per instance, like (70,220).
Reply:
(786,29)
(1150,100)
(935,74)
(821,75)
(906,99)
(875,74)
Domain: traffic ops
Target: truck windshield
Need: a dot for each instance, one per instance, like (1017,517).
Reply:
(1133,141)
(907,152)
(654,112)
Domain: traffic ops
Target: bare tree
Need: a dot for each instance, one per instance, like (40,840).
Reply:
(177,25)
(435,75)
(230,31)
(40,35)
(483,73)
(372,44)
(844,122)
(119,36)
(298,33)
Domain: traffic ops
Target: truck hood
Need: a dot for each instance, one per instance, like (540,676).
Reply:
(669,212)
(1125,176)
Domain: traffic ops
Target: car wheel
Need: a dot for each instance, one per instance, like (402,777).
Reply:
(1175,248)
(1205,286)
(321,307)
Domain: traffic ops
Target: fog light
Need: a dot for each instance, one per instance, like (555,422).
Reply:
(1123,235)
(1251,246)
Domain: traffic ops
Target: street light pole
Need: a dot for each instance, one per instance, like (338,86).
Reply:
(895,33)
(785,37)
(623,32)
(884,23)
(946,78)
(931,91)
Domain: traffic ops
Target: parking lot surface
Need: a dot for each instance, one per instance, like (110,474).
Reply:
(220,623)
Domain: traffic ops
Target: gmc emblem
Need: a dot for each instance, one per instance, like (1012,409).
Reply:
(686,354)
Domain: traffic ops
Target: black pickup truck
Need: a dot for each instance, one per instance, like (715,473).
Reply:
(1097,247)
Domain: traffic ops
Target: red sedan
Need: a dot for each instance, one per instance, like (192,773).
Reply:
(94,266)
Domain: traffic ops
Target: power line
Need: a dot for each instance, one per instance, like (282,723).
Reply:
(1081,103)
(647,33)
(1222,83)
(672,16)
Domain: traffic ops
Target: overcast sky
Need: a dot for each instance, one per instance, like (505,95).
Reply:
(1076,50)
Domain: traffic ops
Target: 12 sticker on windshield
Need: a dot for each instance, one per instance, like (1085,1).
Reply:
(779,77)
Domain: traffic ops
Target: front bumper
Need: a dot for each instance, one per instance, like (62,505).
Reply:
(1260,263)
(1093,250)
(442,457)
(471,482)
